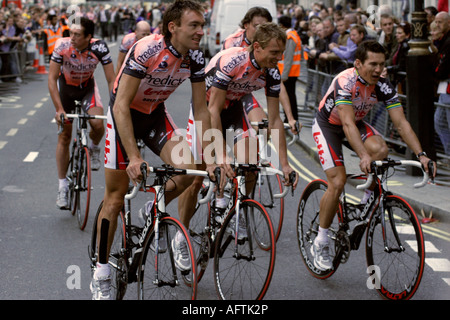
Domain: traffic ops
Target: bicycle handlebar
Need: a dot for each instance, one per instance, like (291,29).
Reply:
(264,124)
(165,170)
(392,163)
(76,116)
(270,170)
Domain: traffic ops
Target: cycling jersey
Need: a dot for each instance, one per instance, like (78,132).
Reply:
(236,71)
(237,39)
(162,69)
(77,67)
(348,88)
(127,42)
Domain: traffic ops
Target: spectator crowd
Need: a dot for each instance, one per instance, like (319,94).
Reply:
(329,36)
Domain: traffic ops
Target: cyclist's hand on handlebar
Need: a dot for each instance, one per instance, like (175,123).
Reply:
(134,170)
(364,164)
(296,126)
(288,175)
(58,117)
(425,161)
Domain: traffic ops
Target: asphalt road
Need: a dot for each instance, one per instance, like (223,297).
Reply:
(44,254)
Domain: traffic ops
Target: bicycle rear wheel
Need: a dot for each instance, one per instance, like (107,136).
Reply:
(159,278)
(397,265)
(308,227)
(243,267)
(82,185)
(118,259)
(266,186)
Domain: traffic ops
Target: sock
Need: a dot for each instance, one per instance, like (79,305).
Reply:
(221,203)
(367,194)
(102,270)
(322,236)
(93,145)
(63,183)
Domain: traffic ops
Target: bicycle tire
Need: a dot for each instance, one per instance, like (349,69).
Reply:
(234,276)
(70,176)
(83,188)
(169,284)
(199,231)
(265,187)
(118,258)
(399,272)
(308,227)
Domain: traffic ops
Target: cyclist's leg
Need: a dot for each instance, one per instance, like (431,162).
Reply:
(328,140)
(253,109)
(92,104)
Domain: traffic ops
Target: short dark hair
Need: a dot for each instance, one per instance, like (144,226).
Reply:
(175,11)
(285,21)
(368,46)
(88,26)
(255,12)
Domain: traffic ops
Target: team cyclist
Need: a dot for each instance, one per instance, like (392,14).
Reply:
(71,77)
(154,67)
(350,97)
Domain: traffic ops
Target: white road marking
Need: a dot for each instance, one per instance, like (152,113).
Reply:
(31,156)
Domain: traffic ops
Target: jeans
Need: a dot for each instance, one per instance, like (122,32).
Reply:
(442,122)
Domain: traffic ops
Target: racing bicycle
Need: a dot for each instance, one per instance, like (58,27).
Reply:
(79,170)
(241,242)
(145,254)
(267,184)
(395,250)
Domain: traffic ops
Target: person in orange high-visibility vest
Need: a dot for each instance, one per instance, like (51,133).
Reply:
(290,65)
(54,31)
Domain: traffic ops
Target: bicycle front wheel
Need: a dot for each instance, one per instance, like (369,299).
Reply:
(308,227)
(117,259)
(82,186)
(160,273)
(244,264)
(395,250)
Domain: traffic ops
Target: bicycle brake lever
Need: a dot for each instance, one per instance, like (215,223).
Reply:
(61,128)
(431,170)
(217,175)
(144,172)
(292,177)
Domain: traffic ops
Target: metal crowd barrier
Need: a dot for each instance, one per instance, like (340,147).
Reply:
(21,57)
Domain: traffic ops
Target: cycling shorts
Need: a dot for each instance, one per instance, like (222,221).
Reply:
(154,129)
(89,95)
(235,126)
(329,139)
(249,103)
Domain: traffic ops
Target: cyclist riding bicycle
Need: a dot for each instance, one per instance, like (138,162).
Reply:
(350,97)
(154,67)
(232,74)
(70,79)
(243,38)
(142,30)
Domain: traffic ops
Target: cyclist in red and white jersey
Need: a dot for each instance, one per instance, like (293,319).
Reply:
(350,97)
(243,37)
(230,75)
(142,30)
(71,77)
(154,67)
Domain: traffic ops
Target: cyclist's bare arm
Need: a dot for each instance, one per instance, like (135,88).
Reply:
(408,135)
(120,60)
(53,74)
(347,116)
(216,104)
(276,123)
(284,99)
(126,91)
(201,114)
(110,75)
